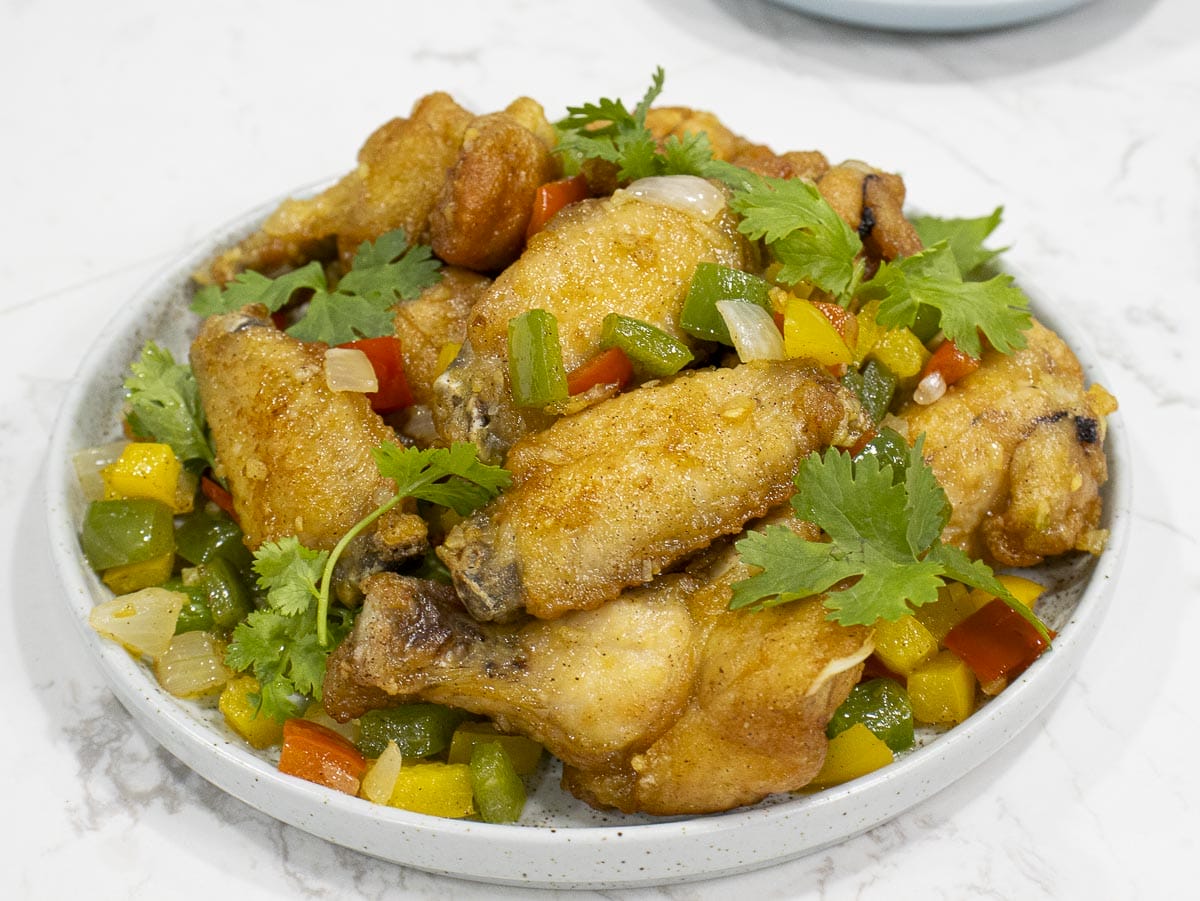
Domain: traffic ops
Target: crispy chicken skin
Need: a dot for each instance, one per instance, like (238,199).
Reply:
(295,455)
(871,202)
(615,494)
(662,701)
(431,174)
(617,255)
(1018,446)
(484,209)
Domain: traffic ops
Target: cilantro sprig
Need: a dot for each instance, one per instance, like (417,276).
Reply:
(382,272)
(607,130)
(163,403)
(884,555)
(286,643)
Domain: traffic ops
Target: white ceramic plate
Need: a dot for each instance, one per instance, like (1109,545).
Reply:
(561,842)
(933,15)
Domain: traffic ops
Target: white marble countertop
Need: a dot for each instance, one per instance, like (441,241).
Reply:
(130,129)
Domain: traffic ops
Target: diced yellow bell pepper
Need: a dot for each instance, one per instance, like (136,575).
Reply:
(1024,590)
(437,789)
(136,576)
(807,332)
(868,330)
(243,715)
(446,355)
(942,691)
(904,644)
(852,753)
(525,753)
(954,604)
(147,470)
(902,353)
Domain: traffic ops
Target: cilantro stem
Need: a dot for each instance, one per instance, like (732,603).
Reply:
(338,549)
(1029,616)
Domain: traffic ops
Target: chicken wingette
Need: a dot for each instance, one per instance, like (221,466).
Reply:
(1018,446)
(295,455)
(662,701)
(611,496)
(616,255)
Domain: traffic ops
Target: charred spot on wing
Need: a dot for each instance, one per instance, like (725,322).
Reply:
(866,223)
(1087,430)
(1051,418)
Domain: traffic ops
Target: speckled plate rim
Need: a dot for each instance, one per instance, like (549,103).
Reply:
(625,852)
(933,15)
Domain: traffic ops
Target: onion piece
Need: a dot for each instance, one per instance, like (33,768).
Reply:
(193,665)
(930,389)
(88,463)
(143,621)
(752,329)
(687,193)
(380,778)
(349,369)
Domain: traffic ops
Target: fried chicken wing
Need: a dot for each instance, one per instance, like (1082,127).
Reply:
(295,455)
(465,181)
(613,495)
(617,255)
(662,701)
(871,202)
(1019,448)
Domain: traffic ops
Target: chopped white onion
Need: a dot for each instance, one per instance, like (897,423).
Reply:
(753,330)
(88,463)
(349,369)
(930,389)
(380,778)
(688,193)
(144,621)
(192,665)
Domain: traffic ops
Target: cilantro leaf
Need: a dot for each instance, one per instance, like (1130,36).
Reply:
(884,555)
(289,572)
(607,130)
(931,278)
(390,269)
(249,287)
(337,318)
(164,404)
(452,477)
(801,229)
(382,272)
(965,237)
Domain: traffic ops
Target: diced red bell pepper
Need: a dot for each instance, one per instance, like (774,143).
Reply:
(215,492)
(842,319)
(318,754)
(552,197)
(387,359)
(996,642)
(609,367)
(952,363)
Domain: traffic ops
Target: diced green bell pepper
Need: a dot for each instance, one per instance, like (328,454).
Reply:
(195,615)
(535,366)
(223,591)
(202,536)
(652,351)
(120,532)
(891,450)
(875,386)
(712,282)
(499,791)
(418,730)
(882,706)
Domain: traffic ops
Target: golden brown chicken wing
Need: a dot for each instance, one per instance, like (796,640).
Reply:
(295,455)
(615,494)
(617,255)
(662,701)
(1019,448)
